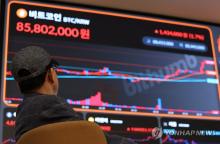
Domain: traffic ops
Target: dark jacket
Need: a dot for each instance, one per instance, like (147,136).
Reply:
(37,110)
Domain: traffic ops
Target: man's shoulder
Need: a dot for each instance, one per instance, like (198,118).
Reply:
(39,102)
(43,99)
(45,107)
(39,110)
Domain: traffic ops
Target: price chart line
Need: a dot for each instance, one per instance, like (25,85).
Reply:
(105,73)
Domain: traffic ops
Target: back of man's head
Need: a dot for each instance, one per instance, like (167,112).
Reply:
(30,68)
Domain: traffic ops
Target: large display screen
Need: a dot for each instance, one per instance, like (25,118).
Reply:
(131,68)
(140,128)
(118,63)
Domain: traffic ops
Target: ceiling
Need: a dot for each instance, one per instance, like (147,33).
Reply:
(200,10)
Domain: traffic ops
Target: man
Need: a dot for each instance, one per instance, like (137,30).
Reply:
(35,72)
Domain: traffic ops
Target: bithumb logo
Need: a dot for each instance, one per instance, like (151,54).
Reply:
(188,62)
(157,133)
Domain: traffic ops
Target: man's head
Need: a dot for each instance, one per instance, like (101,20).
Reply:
(34,70)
